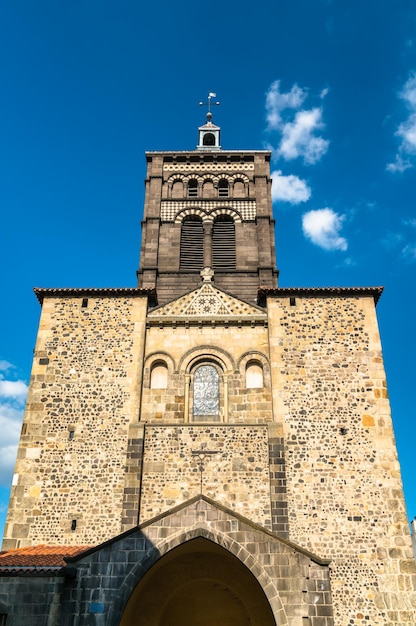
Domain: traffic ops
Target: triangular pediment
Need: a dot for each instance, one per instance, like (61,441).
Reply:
(208,302)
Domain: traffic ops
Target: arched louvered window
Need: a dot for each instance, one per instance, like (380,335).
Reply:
(223,188)
(192,244)
(192,188)
(223,243)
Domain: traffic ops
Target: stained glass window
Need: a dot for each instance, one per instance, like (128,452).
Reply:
(206,391)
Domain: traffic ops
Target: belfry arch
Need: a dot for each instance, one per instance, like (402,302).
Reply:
(198,583)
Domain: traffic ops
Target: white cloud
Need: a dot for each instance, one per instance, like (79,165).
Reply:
(409,252)
(350,262)
(276,102)
(322,227)
(13,389)
(347,262)
(12,400)
(399,164)
(296,127)
(406,130)
(289,188)
(408,93)
(10,426)
(402,242)
(298,139)
(392,240)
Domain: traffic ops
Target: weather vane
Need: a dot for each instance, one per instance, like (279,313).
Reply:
(208,104)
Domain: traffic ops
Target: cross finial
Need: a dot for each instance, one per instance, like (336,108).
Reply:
(208,104)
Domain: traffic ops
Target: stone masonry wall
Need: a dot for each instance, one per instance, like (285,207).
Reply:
(345,497)
(32,601)
(230,347)
(236,475)
(294,583)
(84,393)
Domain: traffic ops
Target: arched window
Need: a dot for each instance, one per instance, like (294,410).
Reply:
(177,189)
(223,243)
(192,188)
(209,139)
(208,189)
(223,188)
(192,244)
(159,376)
(254,375)
(239,190)
(206,393)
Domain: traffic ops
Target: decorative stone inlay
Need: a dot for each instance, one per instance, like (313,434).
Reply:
(215,167)
(208,301)
(170,208)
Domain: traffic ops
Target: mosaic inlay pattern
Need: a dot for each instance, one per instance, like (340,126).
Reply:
(207,301)
(170,208)
(215,167)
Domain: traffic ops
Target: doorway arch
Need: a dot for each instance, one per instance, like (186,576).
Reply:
(198,583)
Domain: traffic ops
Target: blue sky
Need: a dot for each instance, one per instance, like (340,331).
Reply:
(87,86)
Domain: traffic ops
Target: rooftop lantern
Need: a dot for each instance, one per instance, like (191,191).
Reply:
(209,133)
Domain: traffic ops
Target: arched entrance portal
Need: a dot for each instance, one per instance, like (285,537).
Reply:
(198,584)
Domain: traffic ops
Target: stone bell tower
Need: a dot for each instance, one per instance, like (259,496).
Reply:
(207,447)
(208,208)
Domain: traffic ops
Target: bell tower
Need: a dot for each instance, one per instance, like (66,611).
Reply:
(225,455)
(208,208)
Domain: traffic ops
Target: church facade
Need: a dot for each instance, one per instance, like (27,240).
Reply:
(207,448)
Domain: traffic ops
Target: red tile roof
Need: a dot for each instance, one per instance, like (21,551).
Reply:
(38,558)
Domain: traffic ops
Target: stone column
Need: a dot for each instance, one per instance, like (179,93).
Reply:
(186,404)
(207,243)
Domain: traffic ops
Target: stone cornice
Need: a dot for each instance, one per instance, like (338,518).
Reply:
(347,292)
(85,292)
